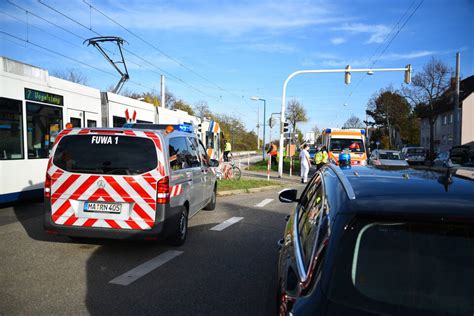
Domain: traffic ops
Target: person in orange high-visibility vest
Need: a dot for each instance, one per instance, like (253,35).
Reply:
(273,151)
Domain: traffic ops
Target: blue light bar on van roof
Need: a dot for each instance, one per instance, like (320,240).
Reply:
(184,127)
(328,130)
(362,132)
(188,128)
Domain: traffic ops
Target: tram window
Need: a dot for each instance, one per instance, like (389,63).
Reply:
(11,129)
(44,123)
(76,122)
(119,121)
(91,123)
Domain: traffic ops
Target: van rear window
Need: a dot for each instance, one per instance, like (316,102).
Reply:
(106,154)
(388,266)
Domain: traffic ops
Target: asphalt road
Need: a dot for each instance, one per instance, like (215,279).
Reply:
(229,269)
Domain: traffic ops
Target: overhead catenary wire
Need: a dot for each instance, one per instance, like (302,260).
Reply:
(400,28)
(181,81)
(62,39)
(69,58)
(130,52)
(158,49)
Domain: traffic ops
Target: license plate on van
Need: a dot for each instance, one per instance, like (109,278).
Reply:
(114,208)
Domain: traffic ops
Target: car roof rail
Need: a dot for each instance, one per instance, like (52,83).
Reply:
(344,181)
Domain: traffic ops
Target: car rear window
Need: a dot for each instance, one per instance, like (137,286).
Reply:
(416,151)
(106,154)
(391,267)
(391,156)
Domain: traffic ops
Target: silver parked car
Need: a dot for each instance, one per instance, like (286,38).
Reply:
(381,157)
(414,155)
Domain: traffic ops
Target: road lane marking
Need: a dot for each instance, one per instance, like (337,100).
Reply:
(226,223)
(145,268)
(263,203)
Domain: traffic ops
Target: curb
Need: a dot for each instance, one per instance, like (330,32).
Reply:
(251,190)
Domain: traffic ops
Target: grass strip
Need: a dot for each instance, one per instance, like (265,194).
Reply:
(242,184)
(262,166)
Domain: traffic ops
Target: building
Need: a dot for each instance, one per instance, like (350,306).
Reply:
(443,127)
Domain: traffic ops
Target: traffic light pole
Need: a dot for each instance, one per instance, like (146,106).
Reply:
(347,71)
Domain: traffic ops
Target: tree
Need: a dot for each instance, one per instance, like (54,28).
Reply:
(170,99)
(353,122)
(426,90)
(183,106)
(392,112)
(234,131)
(317,133)
(201,108)
(295,113)
(72,75)
(300,139)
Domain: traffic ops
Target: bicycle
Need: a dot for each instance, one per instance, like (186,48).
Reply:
(228,170)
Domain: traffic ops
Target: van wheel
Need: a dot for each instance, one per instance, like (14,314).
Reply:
(212,203)
(178,237)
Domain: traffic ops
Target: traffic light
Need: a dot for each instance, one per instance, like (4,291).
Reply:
(285,128)
(199,128)
(347,76)
(408,74)
(270,122)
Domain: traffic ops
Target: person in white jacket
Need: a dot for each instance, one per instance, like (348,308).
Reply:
(305,163)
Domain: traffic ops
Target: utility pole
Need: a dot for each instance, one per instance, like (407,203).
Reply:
(457,115)
(367,140)
(163,92)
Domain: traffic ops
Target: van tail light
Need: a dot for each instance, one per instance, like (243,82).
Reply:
(163,192)
(47,186)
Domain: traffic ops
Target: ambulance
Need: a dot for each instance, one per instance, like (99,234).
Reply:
(127,183)
(338,141)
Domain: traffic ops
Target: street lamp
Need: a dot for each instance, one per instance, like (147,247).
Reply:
(264,109)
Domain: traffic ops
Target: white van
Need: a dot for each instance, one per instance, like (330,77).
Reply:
(127,183)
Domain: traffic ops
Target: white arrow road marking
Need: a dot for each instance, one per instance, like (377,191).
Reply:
(145,268)
(263,203)
(226,223)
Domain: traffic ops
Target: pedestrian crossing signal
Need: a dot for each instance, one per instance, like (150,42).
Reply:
(285,127)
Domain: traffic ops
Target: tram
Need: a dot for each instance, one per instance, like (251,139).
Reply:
(35,107)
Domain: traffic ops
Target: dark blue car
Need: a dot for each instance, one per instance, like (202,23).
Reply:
(366,241)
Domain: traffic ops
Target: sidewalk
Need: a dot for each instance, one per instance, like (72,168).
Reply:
(274,176)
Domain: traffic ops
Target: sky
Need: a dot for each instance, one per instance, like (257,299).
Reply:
(224,52)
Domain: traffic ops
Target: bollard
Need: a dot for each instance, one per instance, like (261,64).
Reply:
(248,159)
(291,165)
(269,159)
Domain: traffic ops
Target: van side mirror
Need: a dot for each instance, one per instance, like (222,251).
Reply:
(213,163)
(288,196)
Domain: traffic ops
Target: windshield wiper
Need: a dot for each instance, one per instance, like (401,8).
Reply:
(94,170)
